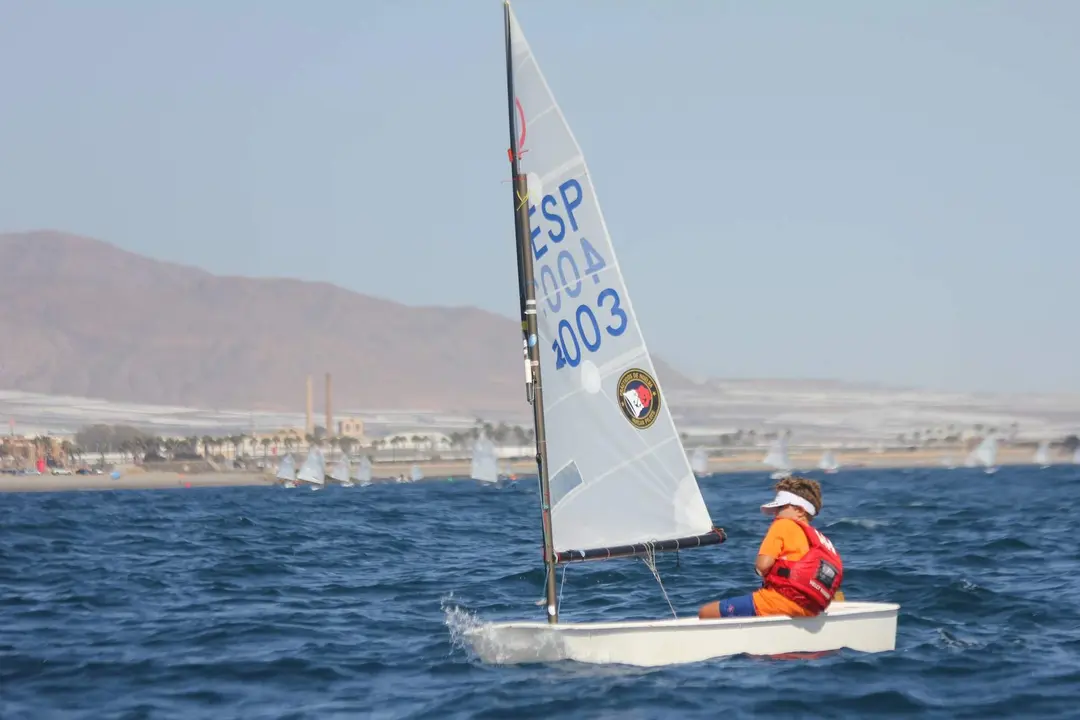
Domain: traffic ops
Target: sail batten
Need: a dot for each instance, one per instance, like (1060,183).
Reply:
(623,477)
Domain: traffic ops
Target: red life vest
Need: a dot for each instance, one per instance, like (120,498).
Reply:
(812,580)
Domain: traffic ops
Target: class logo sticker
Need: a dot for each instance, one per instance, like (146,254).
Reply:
(639,398)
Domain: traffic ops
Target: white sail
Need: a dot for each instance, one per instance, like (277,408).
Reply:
(1076,456)
(314,468)
(287,468)
(417,473)
(1042,455)
(699,461)
(485,464)
(618,472)
(777,456)
(340,471)
(986,453)
(362,474)
(828,461)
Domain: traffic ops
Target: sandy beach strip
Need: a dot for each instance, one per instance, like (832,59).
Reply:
(131,481)
(441,470)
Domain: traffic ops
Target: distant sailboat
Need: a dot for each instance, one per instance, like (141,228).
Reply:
(1042,455)
(313,471)
(286,471)
(777,458)
(699,462)
(985,454)
(948,462)
(1076,457)
(828,462)
(341,471)
(362,474)
(417,474)
(485,464)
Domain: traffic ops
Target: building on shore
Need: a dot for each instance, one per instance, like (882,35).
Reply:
(352,428)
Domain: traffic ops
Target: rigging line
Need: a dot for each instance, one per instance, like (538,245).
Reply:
(650,562)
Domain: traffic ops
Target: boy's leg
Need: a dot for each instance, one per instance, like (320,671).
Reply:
(741,606)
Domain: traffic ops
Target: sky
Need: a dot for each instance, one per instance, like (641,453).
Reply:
(882,192)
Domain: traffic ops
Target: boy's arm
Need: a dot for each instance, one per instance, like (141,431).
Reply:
(771,548)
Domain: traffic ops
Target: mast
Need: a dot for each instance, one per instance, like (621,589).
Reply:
(531,346)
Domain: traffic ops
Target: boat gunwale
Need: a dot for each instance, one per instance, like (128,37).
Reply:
(851,610)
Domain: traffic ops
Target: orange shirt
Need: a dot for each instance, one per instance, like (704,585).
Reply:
(784,541)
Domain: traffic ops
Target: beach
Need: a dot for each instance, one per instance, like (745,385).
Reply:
(136,478)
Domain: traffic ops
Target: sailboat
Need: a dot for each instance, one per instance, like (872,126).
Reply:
(1076,456)
(699,462)
(777,458)
(416,474)
(286,471)
(313,471)
(485,465)
(985,454)
(341,471)
(828,462)
(1042,455)
(362,474)
(614,478)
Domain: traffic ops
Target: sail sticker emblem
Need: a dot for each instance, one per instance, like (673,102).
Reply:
(639,398)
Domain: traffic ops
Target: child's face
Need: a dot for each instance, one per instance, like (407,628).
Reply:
(790,512)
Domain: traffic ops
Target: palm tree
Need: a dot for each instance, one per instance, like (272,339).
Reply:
(347,444)
(69,450)
(265,442)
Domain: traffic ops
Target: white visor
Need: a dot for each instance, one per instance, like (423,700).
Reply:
(786,498)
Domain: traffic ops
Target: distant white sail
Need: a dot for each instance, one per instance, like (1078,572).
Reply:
(1042,455)
(1076,456)
(362,473)
(485,464)
(417,473)
(287,468)
(828,461)
(340,471)
(619,473)
(777,457)
(986,453)
(314,468)
(700,461)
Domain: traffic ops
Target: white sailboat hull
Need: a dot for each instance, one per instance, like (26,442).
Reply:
(862,626)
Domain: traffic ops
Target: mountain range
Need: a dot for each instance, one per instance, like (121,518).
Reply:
(85,318)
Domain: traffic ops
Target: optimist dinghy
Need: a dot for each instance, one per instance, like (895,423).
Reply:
(615,481)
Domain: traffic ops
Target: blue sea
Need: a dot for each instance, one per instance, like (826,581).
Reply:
(270,603)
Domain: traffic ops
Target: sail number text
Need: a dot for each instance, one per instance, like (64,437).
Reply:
(584,327)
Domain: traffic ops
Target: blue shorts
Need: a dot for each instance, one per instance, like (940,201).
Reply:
(742,606)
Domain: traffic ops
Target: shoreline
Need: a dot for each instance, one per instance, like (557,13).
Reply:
(745,462)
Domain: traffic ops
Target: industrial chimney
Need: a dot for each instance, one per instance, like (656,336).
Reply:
(329,411)
(308,427)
